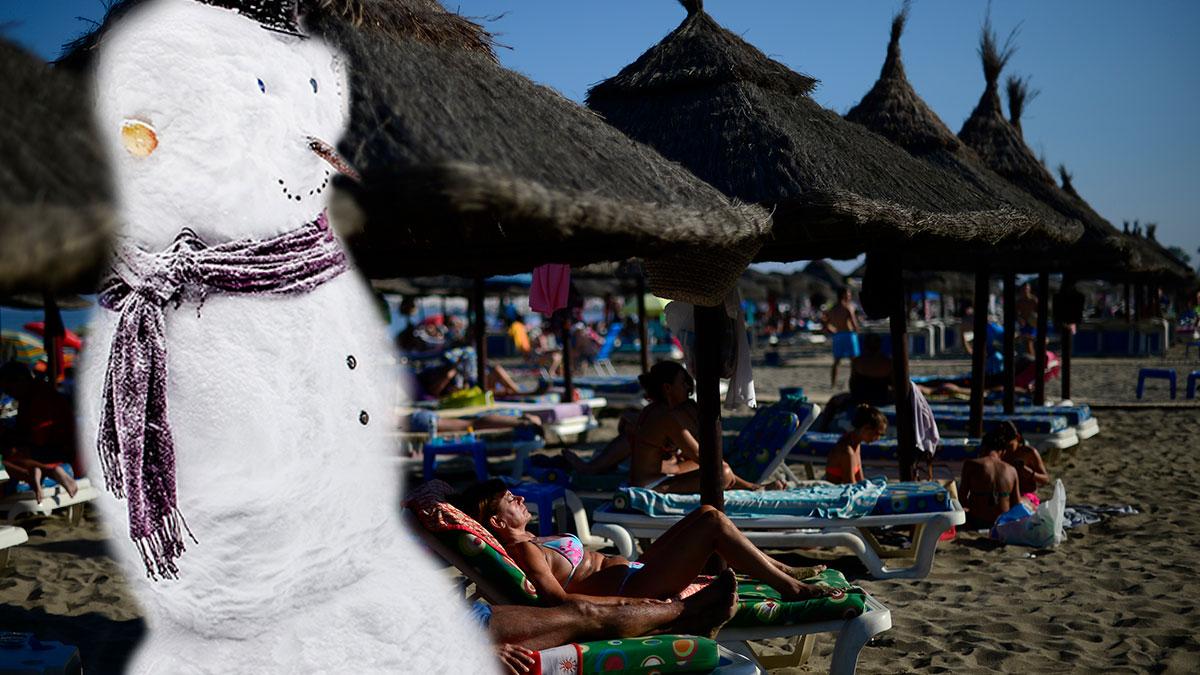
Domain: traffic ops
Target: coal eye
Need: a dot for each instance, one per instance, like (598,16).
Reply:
(313,82)
(262,87)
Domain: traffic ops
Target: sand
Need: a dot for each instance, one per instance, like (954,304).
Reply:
(1118,596)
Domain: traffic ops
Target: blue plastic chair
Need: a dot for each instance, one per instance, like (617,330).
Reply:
(1144,374)
(1191,383)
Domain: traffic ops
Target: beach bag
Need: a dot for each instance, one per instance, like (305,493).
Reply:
(465,398)
(1040,528)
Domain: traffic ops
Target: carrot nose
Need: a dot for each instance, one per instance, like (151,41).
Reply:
(330,154)
(139,138)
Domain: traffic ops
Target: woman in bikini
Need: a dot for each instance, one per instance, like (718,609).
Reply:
(665,455)
(844,464)
(989,486)
(561,570)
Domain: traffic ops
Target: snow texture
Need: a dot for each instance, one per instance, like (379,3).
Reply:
(302,565)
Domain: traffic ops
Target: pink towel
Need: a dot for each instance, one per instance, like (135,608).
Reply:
(551,283)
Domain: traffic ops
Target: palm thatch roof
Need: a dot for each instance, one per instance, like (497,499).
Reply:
(755,285)
(1156,263)
(998,143)
(469,168)
(745,123)
(893,110)
(55,195)
(825,271)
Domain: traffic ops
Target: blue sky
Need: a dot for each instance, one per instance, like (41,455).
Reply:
(1119,80)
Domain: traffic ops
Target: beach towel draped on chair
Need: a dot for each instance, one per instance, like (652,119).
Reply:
(824,500)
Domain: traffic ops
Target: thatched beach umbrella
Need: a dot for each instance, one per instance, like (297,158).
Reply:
(893,109)
(471,168)
(745,123)
(55,193)
(1000,145)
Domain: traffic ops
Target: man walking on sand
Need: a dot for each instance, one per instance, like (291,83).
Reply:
(841,323)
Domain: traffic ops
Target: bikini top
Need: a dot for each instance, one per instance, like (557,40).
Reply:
(569,546)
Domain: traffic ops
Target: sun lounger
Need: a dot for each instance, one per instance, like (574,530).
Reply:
(22,503)
(561,420)
(927,506)
(1078,416)
(1046,432)
(10,535)
(757,453)
(643,656)
(854,615)
(883,455)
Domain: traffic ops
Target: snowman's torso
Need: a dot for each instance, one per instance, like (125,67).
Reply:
(277,476)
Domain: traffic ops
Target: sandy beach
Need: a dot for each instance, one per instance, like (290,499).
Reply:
(1118,596)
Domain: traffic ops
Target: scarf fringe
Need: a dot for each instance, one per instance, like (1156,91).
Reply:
(164,545)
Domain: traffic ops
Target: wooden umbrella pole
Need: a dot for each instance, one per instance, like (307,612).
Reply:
(1138,306)
(1066,333)
(1010,342)
(906,431)
(1128,302)
(979,347)
(1043,326)
(53,333)
(709,326)
(643,332)
(481,356)
(568,377)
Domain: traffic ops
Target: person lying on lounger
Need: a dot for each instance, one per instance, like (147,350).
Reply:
(43,438)
(1031,470)
(844,464)
(520,630)
(989,486)
(561,570)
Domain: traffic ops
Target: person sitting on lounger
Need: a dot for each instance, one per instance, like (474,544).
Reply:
(561,570)
(520,630)
(661,432)
(844,464)
(1031,470)
(620,448)
(989,486)
(43,439)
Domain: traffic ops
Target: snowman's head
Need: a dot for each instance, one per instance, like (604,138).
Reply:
(217,124)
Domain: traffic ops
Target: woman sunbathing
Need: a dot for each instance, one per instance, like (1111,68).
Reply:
(561,570)
(663,432)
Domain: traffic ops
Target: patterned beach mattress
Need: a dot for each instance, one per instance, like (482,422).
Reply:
(655,654)
(817,444)
(1075,414)
(869,498)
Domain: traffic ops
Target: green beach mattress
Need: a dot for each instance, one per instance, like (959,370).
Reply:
(761,605)
(819,443)
(654,654)
(492,566)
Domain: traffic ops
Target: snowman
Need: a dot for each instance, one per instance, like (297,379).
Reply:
(238,391)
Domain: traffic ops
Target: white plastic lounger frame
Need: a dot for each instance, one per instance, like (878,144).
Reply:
(53,499)
(852,634)
(810,532)
(10,536)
